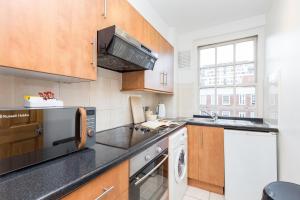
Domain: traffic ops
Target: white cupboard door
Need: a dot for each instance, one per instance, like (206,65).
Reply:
(250,163)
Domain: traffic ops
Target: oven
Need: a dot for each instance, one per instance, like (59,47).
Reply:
(149,173)
(31,136)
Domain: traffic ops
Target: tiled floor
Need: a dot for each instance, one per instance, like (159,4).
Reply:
(193,193)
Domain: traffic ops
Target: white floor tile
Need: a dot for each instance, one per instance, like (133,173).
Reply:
(188,198)
(197,193)
(214,196)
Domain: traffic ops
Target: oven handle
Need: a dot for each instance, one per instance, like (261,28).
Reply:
(155,168)
(83,132)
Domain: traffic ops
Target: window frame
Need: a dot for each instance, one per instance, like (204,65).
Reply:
(226,111)
(244,113)
(235,106)
(225,104)
(242,99)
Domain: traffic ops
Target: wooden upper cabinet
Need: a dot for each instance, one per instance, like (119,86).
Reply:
(122,14)
(51,36)
(206,157)
(160,79)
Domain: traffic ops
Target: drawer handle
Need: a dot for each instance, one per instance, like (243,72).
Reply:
(106,191)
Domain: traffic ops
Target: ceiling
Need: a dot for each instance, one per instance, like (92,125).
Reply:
(190,15)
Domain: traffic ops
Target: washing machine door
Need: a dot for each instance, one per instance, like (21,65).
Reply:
(180,164)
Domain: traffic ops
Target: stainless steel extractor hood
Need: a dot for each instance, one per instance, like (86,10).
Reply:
(117,51)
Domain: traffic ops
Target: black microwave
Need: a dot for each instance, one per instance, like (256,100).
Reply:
(31,136)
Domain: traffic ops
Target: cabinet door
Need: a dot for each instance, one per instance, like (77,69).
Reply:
(51,36)
(206,157)
(123,15)
(250,163)
(153,77)
(211,156)
(169,68)
(112,185)
(194,141)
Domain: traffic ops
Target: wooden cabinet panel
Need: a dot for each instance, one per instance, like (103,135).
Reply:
(206,157)
(194,141)
(51,36)
(211,156)
(117,177)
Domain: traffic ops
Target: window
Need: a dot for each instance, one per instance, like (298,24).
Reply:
(227,77)
(242,114)
(253,99)
(226,113)
(225,100)
(242,99)
(252,114)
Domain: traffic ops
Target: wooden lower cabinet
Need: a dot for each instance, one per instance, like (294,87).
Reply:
(116,179)
(206,158)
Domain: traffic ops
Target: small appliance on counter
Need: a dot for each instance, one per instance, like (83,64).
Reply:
(161,111)
(150,116)
(29,136)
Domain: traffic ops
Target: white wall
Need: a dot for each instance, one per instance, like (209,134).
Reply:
(282,82)
(187,78)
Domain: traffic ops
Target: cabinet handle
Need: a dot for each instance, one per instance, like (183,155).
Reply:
(106,191)
(105,9)
(166,75)
(92,43)
(162,78)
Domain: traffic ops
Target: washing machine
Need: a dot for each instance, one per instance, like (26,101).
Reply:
(178,164)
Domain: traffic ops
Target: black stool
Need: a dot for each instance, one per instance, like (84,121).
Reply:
(281,191)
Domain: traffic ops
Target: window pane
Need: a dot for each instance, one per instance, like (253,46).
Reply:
(245,74)
(207,57)
(225,75)
(207,97)
(207,77)
(245,51)
(225,96)
(226,113)
(225,54)
(248,93)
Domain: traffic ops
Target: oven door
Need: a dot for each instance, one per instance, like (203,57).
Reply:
(151,182)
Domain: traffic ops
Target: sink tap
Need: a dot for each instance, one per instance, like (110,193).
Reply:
(214,115)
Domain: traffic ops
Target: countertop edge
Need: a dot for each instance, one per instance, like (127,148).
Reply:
(241,128)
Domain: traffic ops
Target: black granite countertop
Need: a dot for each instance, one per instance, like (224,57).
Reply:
(248,124)
(56,178)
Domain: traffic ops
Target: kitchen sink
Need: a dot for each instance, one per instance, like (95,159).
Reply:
(222,121)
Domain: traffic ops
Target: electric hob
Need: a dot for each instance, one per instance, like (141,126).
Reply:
(128,136)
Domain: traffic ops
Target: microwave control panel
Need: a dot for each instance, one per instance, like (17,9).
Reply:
(91,122)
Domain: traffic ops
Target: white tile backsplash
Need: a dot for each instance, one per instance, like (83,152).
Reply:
(113,107)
